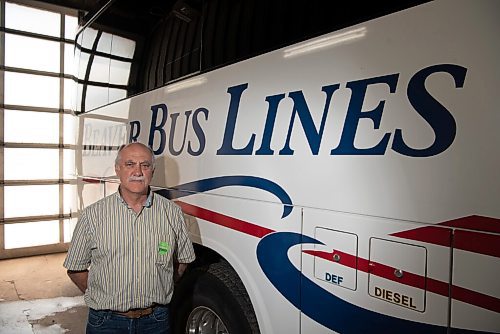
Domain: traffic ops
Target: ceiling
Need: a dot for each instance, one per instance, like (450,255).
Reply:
(92,6)
(85,5)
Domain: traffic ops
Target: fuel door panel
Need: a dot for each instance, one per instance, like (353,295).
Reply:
(397,273)
(338,267)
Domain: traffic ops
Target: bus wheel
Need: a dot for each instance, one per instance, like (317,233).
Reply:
(205,321)
(212,300)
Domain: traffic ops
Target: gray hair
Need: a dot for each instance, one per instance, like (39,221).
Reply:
(119,154)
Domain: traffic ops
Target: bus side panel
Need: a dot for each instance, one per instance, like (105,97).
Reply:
(369,276)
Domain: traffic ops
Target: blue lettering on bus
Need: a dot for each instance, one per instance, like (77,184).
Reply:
(158,127)
(173,127)
(227,142)
(159,117)
(354,114)
(300,108)
(437,116)
(198,130)
(265,146)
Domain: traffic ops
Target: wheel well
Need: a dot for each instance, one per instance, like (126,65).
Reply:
(205,256)
(212,263)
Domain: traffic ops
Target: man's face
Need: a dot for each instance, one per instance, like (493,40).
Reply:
(135,169)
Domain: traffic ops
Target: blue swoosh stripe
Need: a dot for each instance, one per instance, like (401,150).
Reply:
(224,181)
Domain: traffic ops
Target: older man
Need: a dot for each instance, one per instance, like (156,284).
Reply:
(124,251)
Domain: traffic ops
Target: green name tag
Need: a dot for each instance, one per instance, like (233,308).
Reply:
(163,248)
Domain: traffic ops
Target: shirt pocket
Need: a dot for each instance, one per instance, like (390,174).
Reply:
(163,250)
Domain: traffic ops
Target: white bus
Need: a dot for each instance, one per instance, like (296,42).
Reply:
(338,164)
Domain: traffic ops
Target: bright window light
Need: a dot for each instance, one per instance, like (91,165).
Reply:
(70,201)
(100,69)
(87,38)
(31,53)
(96,97)
(31,127)
(104,44)
(69,171)
(22,201)
(31,163)
(82,63)
(69,93)
(123,47)
(70,123)
(69,63)
(91,192)
(119,72)
(43,91)
(116,94)
(70,26)
(31,234)
(33,20)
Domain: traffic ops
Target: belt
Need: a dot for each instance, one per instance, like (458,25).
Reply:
(137,312)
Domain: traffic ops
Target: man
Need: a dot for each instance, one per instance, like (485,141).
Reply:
(124,251)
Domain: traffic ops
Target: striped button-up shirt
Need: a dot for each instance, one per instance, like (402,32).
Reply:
(129,255)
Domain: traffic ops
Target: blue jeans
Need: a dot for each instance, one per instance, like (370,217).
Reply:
(108,322)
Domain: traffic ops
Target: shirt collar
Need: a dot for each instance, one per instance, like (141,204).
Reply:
(147,203)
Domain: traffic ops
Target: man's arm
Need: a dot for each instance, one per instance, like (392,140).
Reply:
(179,269)
(80,278)
(185,252)
(79,256)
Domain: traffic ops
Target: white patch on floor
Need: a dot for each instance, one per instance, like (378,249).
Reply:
(15,316)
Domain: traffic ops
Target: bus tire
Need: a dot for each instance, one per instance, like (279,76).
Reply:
(212,296)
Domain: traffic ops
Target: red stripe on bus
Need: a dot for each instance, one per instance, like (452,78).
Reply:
(475,298)
(417,281)
(371,267)
(482,243)
(89,180)
(431,234)
(476,223)
(223,220)
(472,241)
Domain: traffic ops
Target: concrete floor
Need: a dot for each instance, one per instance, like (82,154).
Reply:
(36,296)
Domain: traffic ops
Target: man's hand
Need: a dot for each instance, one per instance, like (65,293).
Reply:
(179,271)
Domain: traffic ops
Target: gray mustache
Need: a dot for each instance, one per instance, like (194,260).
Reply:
(136,178)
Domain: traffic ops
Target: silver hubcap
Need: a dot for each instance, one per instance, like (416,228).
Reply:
(203,320)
